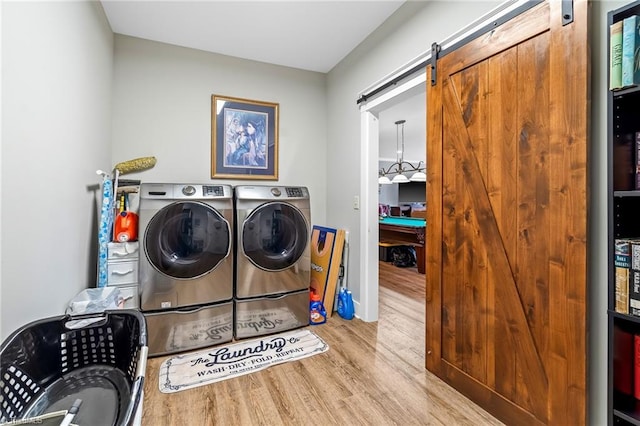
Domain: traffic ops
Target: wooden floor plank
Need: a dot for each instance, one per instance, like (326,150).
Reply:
(373,374)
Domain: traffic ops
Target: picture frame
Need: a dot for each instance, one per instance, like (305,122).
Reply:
(244,138)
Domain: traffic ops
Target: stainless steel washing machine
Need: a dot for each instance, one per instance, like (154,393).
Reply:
(273,259)
(186,265)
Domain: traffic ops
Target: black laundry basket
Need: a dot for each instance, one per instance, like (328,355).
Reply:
(48,364)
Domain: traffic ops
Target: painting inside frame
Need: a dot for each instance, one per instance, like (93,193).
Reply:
(244,141)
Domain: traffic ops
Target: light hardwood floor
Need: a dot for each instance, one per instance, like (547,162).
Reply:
(373,374)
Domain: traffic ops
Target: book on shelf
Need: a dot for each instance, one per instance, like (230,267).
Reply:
(622,290)
(623,361)
(622,265)
(634,293)
(634,280)
(630,54)
(615,55)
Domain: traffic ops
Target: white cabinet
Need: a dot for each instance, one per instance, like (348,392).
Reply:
(122,272)
(123,251)
(122,269)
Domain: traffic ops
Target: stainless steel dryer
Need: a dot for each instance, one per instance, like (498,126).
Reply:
(273,259)
(186,265)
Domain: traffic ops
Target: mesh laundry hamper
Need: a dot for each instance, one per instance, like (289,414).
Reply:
(48,364)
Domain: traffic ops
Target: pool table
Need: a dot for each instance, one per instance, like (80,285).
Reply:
(405,230)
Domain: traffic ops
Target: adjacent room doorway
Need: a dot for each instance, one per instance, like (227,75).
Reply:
(371,145)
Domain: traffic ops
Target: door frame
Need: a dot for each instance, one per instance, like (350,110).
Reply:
(367,307)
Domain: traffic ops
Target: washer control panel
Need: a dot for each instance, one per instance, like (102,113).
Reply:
(180,191)
(295,192)
(212,190)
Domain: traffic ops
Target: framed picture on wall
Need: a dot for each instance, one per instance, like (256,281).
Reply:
(244,139)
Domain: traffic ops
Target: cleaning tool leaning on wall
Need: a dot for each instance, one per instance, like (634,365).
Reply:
(107,213)
(135,165)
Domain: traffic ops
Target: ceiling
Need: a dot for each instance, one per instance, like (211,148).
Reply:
(306,34)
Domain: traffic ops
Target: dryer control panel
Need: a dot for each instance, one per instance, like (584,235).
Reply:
(265,192)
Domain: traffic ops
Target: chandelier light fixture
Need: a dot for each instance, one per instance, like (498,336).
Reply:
(400,168)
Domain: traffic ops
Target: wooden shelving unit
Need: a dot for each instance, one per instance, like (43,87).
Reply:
(624,222)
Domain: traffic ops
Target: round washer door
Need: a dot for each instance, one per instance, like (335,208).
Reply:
(274,236)
(186,240)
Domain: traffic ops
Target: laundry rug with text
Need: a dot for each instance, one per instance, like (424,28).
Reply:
(219,363)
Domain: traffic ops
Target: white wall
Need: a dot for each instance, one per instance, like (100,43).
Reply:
(56,125)
(162,107)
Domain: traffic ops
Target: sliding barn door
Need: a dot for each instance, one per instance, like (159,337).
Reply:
(507,218)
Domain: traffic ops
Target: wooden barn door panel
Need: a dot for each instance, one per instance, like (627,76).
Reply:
(506,246)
